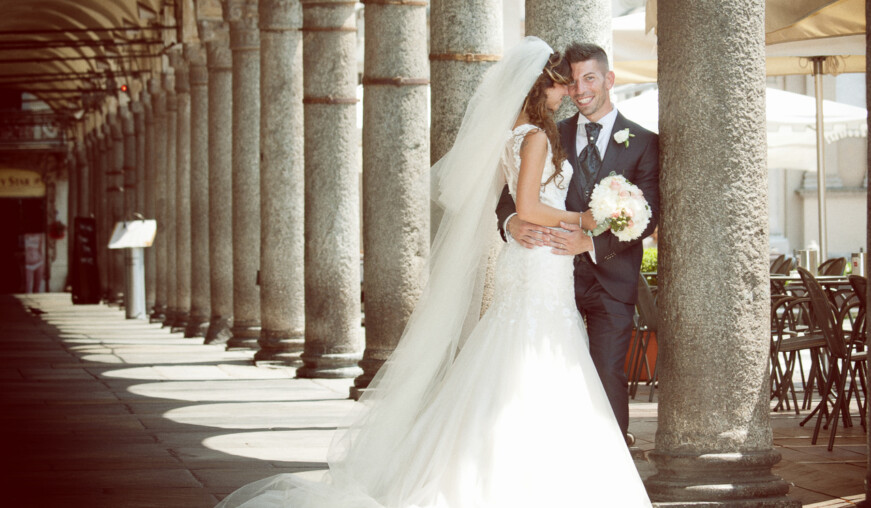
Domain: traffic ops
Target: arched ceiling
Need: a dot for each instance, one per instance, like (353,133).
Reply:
(73,54)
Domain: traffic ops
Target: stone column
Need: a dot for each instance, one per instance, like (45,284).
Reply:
(101,206)
(282,181)
(333,338)
(74,178)
(115,188)
(115,181)
(395,154)
(148,184)
(713,441)
(128,129)
(83,170)
(245,44)
(161,242)
(172,272)
(183,197)
(198,321)
(138,111)
(466,38)
(220,63)
(560,23)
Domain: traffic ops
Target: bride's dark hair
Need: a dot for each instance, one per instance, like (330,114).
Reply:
(557,70)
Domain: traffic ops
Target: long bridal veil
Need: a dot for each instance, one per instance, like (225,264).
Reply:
(466,183)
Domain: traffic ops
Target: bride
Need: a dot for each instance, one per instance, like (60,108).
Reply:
(503,410)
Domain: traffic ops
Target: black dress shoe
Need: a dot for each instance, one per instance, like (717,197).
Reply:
(630,439)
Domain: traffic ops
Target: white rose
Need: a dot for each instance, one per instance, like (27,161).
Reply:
(622,136)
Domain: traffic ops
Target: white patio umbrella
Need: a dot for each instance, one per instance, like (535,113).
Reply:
(802,37)
(790,123)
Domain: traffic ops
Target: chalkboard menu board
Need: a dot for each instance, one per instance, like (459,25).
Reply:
(85,276)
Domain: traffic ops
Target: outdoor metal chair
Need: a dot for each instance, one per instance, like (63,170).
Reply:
(790,335)
(828,320)
(833,266)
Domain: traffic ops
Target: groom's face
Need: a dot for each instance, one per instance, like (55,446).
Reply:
(591,89)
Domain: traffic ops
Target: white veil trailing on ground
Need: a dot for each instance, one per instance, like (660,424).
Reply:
(467,184)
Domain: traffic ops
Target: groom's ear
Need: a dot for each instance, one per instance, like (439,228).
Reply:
(610,78)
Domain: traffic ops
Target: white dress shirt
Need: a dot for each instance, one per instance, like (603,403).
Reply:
(607,123)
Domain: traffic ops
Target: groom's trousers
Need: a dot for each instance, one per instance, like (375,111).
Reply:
(609,327)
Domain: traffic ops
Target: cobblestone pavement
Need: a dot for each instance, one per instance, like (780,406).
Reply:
(99,411)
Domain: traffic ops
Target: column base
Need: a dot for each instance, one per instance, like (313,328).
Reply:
(329,366)
(244,336)
(370,367)
(197,327)
(169,317)
(182,318)
(219,330)
(158,314)
(279,347)
(734,480)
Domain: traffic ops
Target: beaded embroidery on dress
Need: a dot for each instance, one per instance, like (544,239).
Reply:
(521,419)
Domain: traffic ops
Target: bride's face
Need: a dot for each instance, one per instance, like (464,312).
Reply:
(555,95)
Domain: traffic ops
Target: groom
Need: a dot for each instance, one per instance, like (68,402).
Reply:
(606,269)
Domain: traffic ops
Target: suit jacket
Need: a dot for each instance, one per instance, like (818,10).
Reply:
(617,263)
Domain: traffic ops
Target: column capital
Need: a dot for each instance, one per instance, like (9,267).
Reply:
(196,56)
(182,78)
(216,36)
(243,17)
(280,15)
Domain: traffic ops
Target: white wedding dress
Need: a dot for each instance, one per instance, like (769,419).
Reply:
(520,419)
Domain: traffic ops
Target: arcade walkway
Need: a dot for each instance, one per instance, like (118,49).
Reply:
(99,411)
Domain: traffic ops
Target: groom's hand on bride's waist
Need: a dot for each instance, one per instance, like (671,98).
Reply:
(571,242)
(528,234)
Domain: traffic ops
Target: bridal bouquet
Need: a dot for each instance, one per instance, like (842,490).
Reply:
(619,205)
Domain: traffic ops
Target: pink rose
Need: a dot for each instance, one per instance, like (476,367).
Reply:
(615,215)
(624,194)
(615,185)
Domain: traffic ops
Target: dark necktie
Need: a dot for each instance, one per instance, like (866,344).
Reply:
(589,158)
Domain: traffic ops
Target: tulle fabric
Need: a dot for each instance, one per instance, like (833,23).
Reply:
(516,416)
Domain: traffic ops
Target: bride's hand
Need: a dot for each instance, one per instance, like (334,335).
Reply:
(571,242)
(528,234)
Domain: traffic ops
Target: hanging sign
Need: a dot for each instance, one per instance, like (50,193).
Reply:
(21,183)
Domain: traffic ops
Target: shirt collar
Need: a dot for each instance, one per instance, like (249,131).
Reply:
(607,121)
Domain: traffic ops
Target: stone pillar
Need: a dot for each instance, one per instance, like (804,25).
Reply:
(182,197)
(158,184)
(149,183)
(220,63)
(170,209)
(466,38)
(282,181)
(714,333)
(83,170)
(245,44)
(138,110)
(560,23)
(198,321)
(395,154)
(333,337)
(115,187)
(128,129)
(101,207)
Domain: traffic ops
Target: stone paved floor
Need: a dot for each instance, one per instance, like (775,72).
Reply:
(99,411)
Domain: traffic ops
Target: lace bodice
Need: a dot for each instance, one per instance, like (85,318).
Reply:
(550,194)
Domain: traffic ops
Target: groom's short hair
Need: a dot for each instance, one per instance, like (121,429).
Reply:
(583,51)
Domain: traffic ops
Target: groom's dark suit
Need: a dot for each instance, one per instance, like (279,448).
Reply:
(606,291)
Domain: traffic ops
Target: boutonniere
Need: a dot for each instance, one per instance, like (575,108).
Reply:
(622,136)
